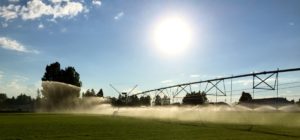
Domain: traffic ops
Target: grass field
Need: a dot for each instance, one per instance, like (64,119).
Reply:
(83,126)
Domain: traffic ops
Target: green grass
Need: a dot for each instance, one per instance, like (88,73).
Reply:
(79,126)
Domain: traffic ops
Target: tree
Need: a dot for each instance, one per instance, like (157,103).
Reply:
(93,92)
(100,93)
(89,93)
(3,97)
(195,98)
(165,100)
(145,100)
(133,100)
(68,75)
(23,99)
(58,93)
(157,100)
(53,73)
(245,98)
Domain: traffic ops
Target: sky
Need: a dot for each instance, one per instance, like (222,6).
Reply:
(112,41)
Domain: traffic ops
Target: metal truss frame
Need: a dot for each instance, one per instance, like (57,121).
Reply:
(214,84)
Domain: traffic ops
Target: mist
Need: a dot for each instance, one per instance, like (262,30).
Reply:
(264,115)
(64,98)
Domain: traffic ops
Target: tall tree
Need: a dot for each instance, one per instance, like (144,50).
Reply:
(100,93)
(157,100)
(53,72)
(60,95)
(68,75)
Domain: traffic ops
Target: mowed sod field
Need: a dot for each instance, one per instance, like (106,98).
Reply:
(83,126)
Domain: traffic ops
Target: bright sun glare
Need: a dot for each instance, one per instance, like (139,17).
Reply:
(172,35)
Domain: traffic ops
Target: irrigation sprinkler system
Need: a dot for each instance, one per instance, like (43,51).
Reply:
(217,86)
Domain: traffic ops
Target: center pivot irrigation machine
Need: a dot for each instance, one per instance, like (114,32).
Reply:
(124,95)
(217,86)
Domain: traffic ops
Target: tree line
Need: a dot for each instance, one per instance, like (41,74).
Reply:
(92,93)
(132,100)
(20,103)
(61,90)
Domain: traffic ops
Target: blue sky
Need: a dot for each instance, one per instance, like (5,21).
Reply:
(111,41)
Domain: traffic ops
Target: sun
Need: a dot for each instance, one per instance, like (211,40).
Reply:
(172,35)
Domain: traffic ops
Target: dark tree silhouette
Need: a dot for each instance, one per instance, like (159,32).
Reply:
(145,100)
(245,98)
(3,97)
(21,103)
(23,99)
(157,100)
(195,98)
(100,93)
(68,75)
(89,93)
(53,72)
(132,100)
(59,95)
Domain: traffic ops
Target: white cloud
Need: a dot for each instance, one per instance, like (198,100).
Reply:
(166,81)
(243,82)
(9,12)
(16,87)
(119,15)
(194,76)
(41,26)
(37,8)
(97,2)
(10,44)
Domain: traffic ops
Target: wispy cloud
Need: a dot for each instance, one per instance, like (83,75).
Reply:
(166,81)
(194,76)
(19,84)
(35,9)
(41,26)
(63,30)
(291,23)
(243,82)
(96,2)
(119,16)
(10,44)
